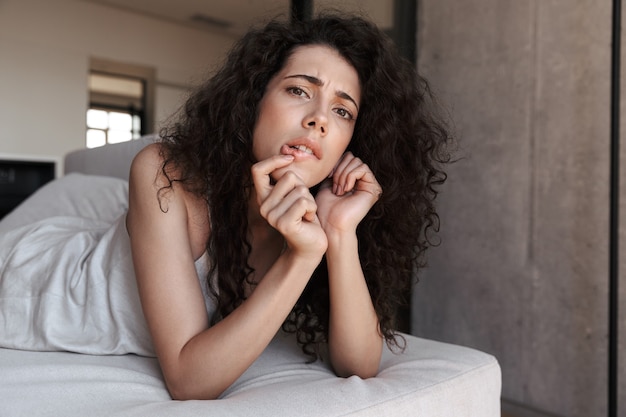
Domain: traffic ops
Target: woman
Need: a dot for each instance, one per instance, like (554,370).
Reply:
(305,170)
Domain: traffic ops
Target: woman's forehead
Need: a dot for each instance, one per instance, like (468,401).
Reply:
(324,63)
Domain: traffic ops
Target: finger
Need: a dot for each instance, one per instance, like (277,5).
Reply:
(285,185)
(368,183)
(357,176)
(302,207)
(298,205)
(284,193)
(261,174)
(351,169)
(353,172)
(363,179)
(339,170)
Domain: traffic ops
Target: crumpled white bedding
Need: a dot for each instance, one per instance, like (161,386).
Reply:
(67,284)
(66,275)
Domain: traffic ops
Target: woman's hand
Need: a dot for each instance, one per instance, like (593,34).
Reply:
(347,195)
(289,207)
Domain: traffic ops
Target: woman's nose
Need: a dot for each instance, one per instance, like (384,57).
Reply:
(318,121)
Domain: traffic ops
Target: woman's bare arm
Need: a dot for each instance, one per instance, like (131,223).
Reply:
(197,361)
(354,340)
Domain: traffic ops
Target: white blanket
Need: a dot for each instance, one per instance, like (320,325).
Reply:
(67,283)
(66,276)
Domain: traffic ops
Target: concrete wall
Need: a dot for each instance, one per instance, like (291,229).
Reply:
(45,47)
(522,271)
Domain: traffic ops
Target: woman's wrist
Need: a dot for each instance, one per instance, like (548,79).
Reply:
(302,260)
(340,241)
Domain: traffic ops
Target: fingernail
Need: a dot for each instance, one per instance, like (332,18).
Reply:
(334,188)
(288,157)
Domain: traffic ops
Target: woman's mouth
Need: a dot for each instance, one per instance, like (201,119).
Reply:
(303,148)
(299,150)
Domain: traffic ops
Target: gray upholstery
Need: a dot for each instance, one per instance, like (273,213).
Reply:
(110,160)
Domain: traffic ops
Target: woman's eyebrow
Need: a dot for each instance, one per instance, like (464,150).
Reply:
(316,81)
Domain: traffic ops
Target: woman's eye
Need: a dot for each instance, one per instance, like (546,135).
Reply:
(297,91)
(344,113)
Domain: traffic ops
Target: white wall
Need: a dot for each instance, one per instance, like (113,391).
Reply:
(45,47)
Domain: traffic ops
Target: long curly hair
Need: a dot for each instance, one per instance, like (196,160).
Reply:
(397,134)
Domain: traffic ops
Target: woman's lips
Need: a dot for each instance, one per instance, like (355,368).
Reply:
(299,151)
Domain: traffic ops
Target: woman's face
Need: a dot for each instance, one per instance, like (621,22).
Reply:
(309,110)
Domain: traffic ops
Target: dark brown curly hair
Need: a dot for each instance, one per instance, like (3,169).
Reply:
(397,134)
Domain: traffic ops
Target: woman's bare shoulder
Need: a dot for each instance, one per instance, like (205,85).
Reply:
(148,161)
(151,185)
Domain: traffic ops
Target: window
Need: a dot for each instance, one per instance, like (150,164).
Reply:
(119,103)
(109,126)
